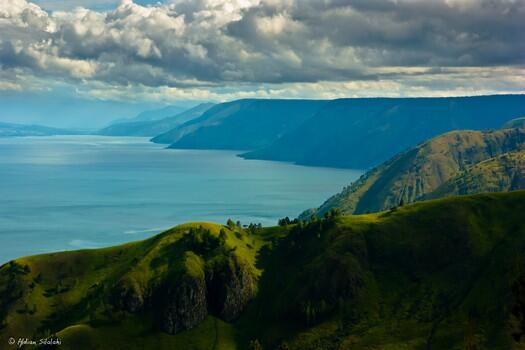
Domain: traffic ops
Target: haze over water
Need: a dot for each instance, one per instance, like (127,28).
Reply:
(72,192)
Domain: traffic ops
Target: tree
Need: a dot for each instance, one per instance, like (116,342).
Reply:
(230,224)
(284,346)
(201,240)
(222,236)
(252,228)
(335,212)
(255,345)
(284,221)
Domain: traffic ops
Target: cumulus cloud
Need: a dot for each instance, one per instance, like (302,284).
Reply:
(270,45)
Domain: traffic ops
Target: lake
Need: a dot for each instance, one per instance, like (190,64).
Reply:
(72,192)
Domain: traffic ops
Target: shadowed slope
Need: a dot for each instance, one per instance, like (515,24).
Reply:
(362,133)
(242,124)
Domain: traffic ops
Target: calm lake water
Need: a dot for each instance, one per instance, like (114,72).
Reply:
(62,193)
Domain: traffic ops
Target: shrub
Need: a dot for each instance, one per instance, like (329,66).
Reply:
(201,240)
(255,345)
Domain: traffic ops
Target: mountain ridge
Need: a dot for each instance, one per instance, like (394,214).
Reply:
(362,133)
(416,173)
(151,115)
(155,126)
(241,124)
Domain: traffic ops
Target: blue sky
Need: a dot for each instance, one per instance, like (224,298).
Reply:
(134,54)
(98,5)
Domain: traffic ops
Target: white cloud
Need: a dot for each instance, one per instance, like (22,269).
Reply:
(8,85)
(209,48)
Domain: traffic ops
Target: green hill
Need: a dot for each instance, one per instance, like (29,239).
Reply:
(142,126)
(448,164)
(242,124)
(192,275)
(515,123)
(376,281)
(362,133)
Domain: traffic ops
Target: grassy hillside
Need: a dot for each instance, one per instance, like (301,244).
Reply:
(504,172)
(158,286)
(515,123)
(364,132)
(448,164)
(376,281)
(242,124)
(151,127)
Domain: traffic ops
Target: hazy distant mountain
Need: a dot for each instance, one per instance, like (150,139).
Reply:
(458,162)
(10,129)
(152,114)
(242,124)
(67,111)
(364,132)
(141,127)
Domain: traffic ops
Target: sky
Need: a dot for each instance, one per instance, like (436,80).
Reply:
(84,62)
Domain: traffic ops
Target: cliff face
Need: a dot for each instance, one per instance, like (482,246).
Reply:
(184,306)
(230,287)
(362,133)
(261,123)
(212,280)
(224,292)
(127,296)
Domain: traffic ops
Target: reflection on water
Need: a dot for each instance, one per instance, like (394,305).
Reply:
(72,192)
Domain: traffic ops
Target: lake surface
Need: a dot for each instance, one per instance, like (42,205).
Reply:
(72,192)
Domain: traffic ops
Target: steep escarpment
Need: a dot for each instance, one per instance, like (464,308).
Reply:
(417,173)
(362,133)
(242,124)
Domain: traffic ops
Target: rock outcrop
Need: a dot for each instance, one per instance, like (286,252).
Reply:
(185,305)
(184,298)
(127,296)
(230,287)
